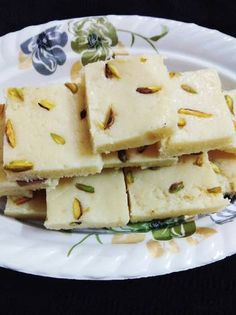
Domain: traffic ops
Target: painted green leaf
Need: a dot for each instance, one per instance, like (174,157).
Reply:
(183,230)
(139,227)
(164,32)
(162,234)
(93,39)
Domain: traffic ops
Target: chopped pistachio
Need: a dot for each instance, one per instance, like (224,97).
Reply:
(86,188)
(10,134)
(100,125)
(111,71)
(21,200)
(149,89)
(143,59)
(122,156)
(19,166)
(73,87)
(16,94)
(215,168)
(194,112)
(199,160)
(173,74)
(46,104)
(230,103)
(129,177)
(83,114)
(142,149)
(58,139)
(77,211)
(110,119)
(215,190)
(181,122)
(188,88)
(176,187)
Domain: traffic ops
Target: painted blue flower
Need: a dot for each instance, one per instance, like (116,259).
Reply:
(46,50)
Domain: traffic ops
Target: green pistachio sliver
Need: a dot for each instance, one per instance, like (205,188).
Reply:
(188,88)
(174,188)
(122,156)
(215,190)
(16,94)
(110,118)
(230,103)
(85,188)
(57,138)
(129,177)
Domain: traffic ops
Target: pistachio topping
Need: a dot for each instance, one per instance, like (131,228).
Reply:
(100,125)
(173,74)
(188,88)
(77,211)
(199,160)
(46,104)
(174,188)
(215,190)
(181,122)
(230,103)
(194,112)
(21,200)
(73,87)
(110,118)
(148,89)
(10,134)
(16,94)
(19,166)
(142,149)
(83,114)
(111,71)
(57,138)
(143,59)
(85,188)
(122,156)
(215,168)
(129,177)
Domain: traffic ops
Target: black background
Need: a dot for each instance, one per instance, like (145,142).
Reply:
(207,290)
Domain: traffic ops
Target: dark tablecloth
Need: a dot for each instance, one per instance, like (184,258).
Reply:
(207,290)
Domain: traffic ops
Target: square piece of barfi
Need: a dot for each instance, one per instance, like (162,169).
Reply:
(95,201)
(188,188)
(21,207)
(128,102)
(204,121)
(22,188)
(46,134)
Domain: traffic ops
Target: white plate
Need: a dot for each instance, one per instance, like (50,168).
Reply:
(32,249)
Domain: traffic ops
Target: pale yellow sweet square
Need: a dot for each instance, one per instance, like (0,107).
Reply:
(105,206)
(204,120)
(49,133)
(188,188)
(131,106)
(27,208)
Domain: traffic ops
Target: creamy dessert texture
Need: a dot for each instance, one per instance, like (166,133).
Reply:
(188,188)
(96,201)
(145,156)
(204,120)
(129,102)
(22,207)
(45,134)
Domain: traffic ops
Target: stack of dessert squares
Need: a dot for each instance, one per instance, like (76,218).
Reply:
(129,142)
